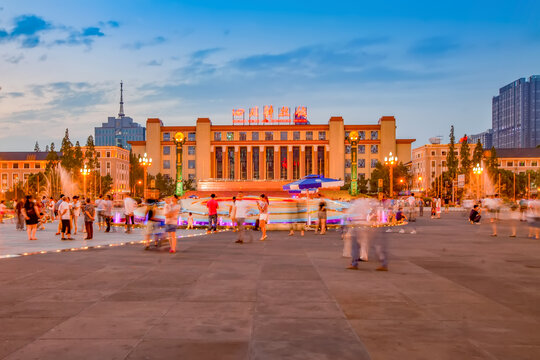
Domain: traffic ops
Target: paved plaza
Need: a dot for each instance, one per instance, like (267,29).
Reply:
(452,292)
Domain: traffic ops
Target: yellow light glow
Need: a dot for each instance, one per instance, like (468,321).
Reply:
(353,135)
(179,137)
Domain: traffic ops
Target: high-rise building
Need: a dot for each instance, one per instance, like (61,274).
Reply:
(117,131)
(516,114)
(486,139)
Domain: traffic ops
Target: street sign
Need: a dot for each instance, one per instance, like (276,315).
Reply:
(461,180)
(380,183)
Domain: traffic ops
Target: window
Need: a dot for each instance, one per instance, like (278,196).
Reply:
(191,164)
(283,136)
(108,154)
(217,136)
(230,136)
(443,163)
(4,165)
(98,153)
(347,134)
(322,135)
(374,162)
(255,136)
(433,163)
(243,136)
(191,136)
(269,163)
(191,150)
(166,150)
(166,136)
(26,165)
(347,163)
(166,164)
(361,149)
(243,163)
(108,167)
(37,166)
(361,135)
(15,165)
(444,153)
(347,149)
(308,161)
(320,160)
(230,164)
(509,163)
(219,162)
(191,176)
(374,135)
(309,135)
(296,162)
(98,165)
(283,166)
(255,162)
(374,149)
(534,163)
(361,163)
(521,163)
(15,178)
(268,136)
(296,135)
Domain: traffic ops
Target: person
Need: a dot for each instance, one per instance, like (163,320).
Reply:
(411,202)
(50,208)
(31,211)
(241,212)
(19,214)
(56,213)
(100,207)
(439,208)
(361,219)
(474,215)
(400,216)
(190,221)
(232,213)
(212,206)
(89,216)
(129,210)
(65,218)
(433,208)
(321,215)
(76,211)
(107,212)
(297,223)
(420,207)
(171,221)
(533,218)
(513,216)
(263,205)
(3,209)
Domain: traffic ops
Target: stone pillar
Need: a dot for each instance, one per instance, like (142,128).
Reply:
(212,162)
(249,163)
(327,163)
(336,146)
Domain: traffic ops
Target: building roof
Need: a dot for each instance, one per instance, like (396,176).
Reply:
(518,153)
(24,155)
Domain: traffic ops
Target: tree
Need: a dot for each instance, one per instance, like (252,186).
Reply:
(67,160)
(106,184)
(452,161)
(78,158)
(46,148)
(90,153)
(465,159)
(136,171)
(478,154)
(362,184)
(382,172)
(52,158)
(36,147)
(50,170)
(493,162)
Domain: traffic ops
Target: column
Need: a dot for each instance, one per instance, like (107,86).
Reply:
(289,162)
(302,161)
(225,162)
(236,162)
(249,163)
(212,162)
(262,163)
(326,162)
(314,159)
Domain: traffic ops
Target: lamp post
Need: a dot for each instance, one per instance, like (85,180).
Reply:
(353,139)
(391,160)
(478,171)
(145,162)
(139,182)
(179,140)
(85,171)
(420,187)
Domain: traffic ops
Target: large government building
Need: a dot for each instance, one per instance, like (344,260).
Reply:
(235,157)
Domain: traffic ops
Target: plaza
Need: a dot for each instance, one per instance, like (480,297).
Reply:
(452,292)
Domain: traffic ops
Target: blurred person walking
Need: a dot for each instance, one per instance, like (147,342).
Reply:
(30,211)
(171,222)
(241,212)
(321,216)
(263,205)
(129,212)
(212,206)
(232,214)
(19,216)
(65,218)
(89,213)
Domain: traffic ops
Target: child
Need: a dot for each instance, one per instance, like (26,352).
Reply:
(190,221)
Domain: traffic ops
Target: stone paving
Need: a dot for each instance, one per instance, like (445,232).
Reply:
(452,292)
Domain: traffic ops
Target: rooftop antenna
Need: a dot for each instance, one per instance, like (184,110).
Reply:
(121,112)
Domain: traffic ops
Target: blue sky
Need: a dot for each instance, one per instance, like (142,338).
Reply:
(430,64)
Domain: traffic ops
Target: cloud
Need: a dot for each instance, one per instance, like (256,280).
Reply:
(434,46)
(15,59)
(154,63)
(15,94)
(110,23)
(137,45)
(92,31)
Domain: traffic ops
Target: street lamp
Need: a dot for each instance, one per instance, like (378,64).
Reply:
(85,172)
(179,140)
(353,139)
(391,160)
(478,170)
(145,162)
(139,182)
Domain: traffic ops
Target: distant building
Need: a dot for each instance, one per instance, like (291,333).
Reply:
(486,139)
(516,114)
(518,160)
(118,131)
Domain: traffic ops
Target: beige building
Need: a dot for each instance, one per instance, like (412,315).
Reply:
(16,167)
(233,157)
(518,160)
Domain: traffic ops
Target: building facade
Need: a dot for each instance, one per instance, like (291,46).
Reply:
(486,139)
(234,157)
(516,114)
(16,167)
(119,131)
(518,160)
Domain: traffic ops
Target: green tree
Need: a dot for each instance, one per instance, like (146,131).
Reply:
(106,184)
(136,171)
(67,151)
(78,158)
(46,148)
(382,172)
(36,147)
(52,157)
(362,184)
(493,162)
(478,154)
(452,161)
(465,159)
(90,153)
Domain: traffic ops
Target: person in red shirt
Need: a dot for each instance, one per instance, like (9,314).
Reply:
(212,206)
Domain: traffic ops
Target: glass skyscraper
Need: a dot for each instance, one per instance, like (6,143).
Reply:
(516,114)
(117,131)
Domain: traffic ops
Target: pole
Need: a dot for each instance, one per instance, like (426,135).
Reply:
(84,185)
(144,181)
(179,178)
(354,170)
(528,186)
(514,186)
(391,181)
(499,184)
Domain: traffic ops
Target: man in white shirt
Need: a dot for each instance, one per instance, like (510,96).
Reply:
(242,210)
(65,218)
(129,209)
(100,207)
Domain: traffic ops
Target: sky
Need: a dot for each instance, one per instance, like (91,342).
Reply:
(431,64)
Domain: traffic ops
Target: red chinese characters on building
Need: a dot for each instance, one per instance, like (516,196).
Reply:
(284,114)
(300,115)
(238,116)
(268,113)
(254,114)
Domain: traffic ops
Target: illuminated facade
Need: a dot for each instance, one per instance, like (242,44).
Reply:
(235,157)
(16,167)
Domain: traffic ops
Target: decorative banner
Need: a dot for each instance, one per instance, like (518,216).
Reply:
(284,115)
(254,115)
(268,113)
(300,115)
(238,116)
